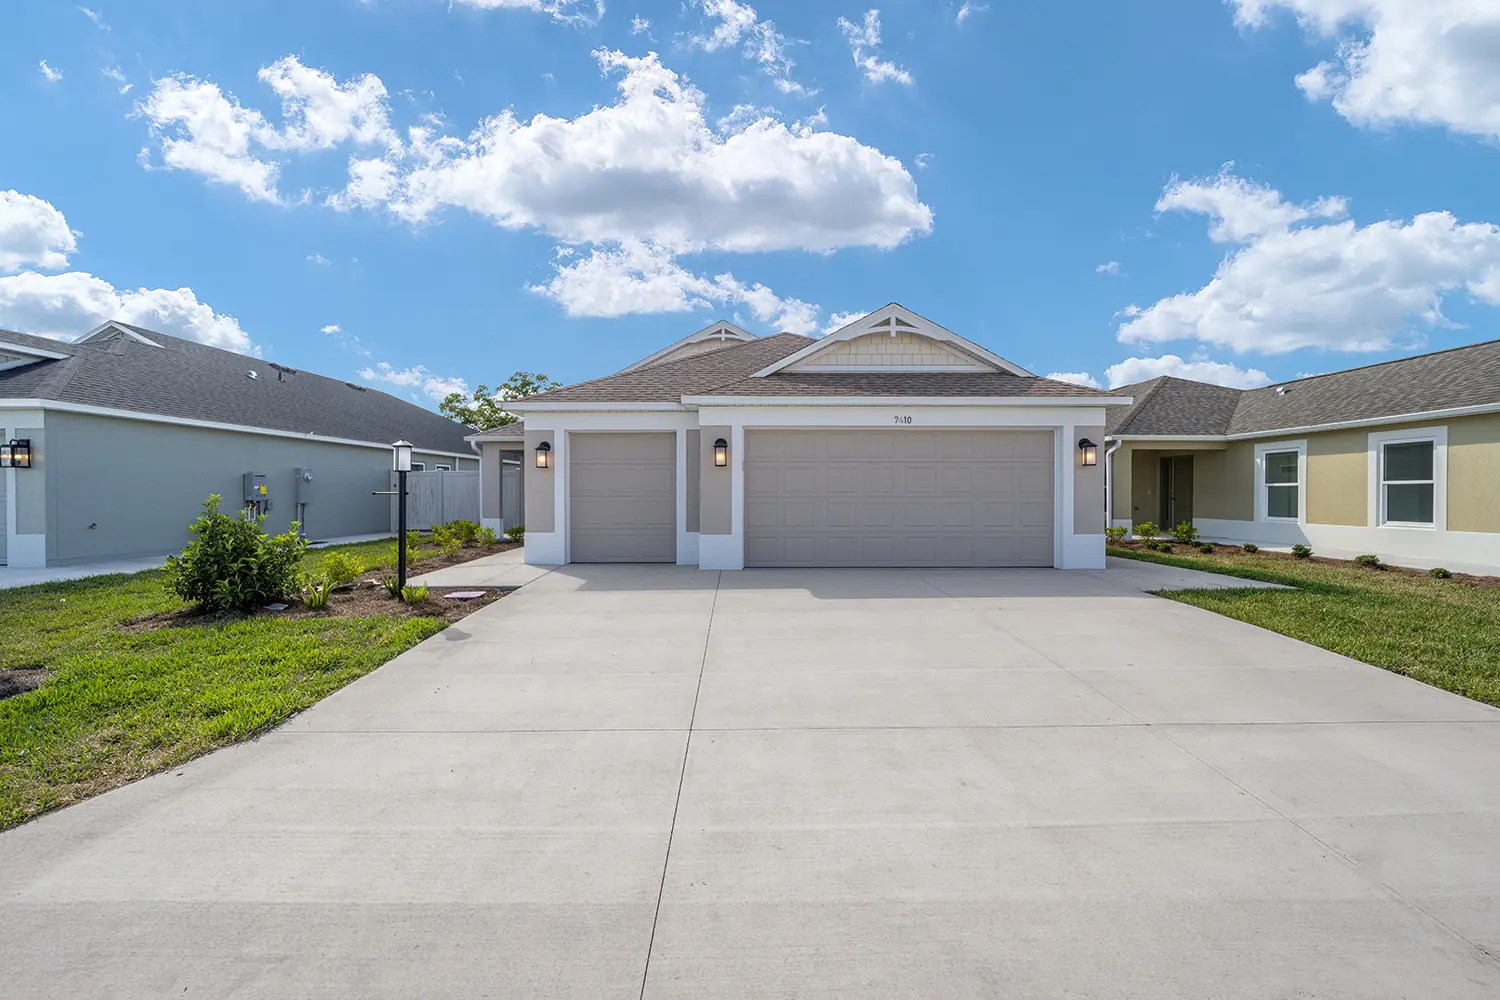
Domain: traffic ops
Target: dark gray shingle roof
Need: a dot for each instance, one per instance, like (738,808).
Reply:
(189,380)
(670,381)
(1451,379)
(964,384)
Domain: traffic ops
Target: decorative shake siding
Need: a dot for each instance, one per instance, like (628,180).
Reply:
(880,349)
(691,350)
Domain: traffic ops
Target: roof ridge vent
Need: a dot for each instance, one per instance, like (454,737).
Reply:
(357,388)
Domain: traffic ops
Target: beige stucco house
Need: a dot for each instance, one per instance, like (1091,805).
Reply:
(890,442)
(1400,459)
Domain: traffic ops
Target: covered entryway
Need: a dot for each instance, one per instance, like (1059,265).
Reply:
(622,497)
(899,498)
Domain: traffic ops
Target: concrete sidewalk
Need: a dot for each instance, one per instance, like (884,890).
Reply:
(625,782)
(503,569)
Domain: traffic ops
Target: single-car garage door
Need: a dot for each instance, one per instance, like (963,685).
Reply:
(622,497)
(898,498)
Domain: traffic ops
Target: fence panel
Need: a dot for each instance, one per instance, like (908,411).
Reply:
(435,498)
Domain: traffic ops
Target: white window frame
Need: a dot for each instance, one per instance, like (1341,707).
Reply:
(1261,495)
(1438,435)
(419,466)
(442,468)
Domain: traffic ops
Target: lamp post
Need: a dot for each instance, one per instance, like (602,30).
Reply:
(401,465)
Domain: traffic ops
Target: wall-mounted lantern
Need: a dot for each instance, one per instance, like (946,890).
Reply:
(1090,452)
(544,456)
(721,453)
(16,454)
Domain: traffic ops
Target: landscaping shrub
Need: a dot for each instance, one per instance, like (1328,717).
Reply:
(456,535)
(1250,547)
(1163,546)
(518,533)
(232,564)
(487,537)
(1368,560)
(1147,531)
(1438,573)
(1185,533)
(450,546)
(1206,547)
(339,569)
(316,595)
(1301,551)
(392,585)
(412,552)
(414,595)
(1114,536)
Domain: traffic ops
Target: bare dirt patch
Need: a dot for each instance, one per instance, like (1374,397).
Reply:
(364,601)
(19,680)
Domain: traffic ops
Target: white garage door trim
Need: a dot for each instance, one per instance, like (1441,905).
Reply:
(622,497)
(5,474)
(919,497)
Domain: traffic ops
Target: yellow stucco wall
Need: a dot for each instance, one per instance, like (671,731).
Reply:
(1224,483)
(1338,477)
(1474,473)
(1145,499)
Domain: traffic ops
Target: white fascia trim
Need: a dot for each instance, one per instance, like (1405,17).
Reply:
(920,325)
(32,352)
(724,331)
(594,407)
(888,401)
(158,418)
(112,325)
(483,438)
(1400,418)
(1216,438)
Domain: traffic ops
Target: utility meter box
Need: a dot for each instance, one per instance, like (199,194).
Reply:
(256,490)
(302,482)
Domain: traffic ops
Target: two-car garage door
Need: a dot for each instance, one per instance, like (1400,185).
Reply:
(899,498)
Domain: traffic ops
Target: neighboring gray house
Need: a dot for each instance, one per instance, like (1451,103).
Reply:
(130,430)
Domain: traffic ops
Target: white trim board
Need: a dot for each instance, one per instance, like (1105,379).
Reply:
(899,402)
(1375,500)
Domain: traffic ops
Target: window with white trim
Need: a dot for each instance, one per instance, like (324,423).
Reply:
(442,468)
(419,466)
(1408,482)
(1281,479)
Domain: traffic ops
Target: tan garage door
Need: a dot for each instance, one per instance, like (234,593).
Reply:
(623,497)
(898,498)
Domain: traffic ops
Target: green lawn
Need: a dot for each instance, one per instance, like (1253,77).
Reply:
(1442,632)
(120,705)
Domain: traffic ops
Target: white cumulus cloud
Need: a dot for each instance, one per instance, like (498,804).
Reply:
(636,277)
(864,41)
(735,23)
(652,167)
(33,233)
(1133,370)
(1429,62)
(1295,280)
(1075,378)
(435,387)
(51,75)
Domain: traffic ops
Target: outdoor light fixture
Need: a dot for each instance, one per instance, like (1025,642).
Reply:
(721,453)
(16,454)
(401,456)
(544,456)
(1090,452)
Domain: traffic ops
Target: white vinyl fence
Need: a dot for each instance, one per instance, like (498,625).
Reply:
(439,497)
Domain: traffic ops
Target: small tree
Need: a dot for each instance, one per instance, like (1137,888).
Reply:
(232,564)
(484,410)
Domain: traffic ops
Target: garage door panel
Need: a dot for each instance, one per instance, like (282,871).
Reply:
(899,498)
(622,497)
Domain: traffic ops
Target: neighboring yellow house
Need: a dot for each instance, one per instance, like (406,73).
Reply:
(1400,459)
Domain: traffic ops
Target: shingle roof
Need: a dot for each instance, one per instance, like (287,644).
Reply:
(185,379)
(728,372)
(1451,379)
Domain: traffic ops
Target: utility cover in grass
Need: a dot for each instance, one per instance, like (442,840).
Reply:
(464,595)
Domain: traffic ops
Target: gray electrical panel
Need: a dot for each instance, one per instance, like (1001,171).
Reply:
(257,492)
(302,483)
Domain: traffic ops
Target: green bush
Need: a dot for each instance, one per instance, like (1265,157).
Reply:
(1438,573)
(1206,547)
(1250,547)
(459,534)
(316,595)
(1147,531)
(339,569)
(450,546)
(232,564)
(412,552)
(392,585)
(487,537)
(518,533)
(1368,560)
(414,595)
(1164,546)
(1301,551)
(1114,536)
(1185,533)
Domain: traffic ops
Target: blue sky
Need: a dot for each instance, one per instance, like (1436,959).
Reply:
(428,194)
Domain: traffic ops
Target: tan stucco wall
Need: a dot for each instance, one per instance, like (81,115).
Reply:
(541,484)
(1235,501)
(1145,493)
(1474,473)
(1122,482)
(1338,480)
(694,477)
(715,513)
(1209,496)
(1088,487)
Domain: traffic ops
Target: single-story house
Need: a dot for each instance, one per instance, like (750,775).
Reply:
(890,442)
(1399,459)
(130,430)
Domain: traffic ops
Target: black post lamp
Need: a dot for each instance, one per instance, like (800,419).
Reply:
(401,465)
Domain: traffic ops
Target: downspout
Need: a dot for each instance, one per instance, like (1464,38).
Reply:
(1109,484)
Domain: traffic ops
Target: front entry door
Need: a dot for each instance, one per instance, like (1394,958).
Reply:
(1176,491)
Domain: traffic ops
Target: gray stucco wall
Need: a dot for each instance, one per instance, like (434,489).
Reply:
(119,488)
(694,475)
(715,496)
(541,484)
(1088,485)
(489,471)
(30,498)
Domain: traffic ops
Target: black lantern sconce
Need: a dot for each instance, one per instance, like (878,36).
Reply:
(16,454)
(1090,452)
(544,456)
(721,453)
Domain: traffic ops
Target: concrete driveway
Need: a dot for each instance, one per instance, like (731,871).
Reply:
(625,782)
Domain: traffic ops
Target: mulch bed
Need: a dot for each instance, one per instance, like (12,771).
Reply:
(19,680)
(364,601)
(1236,552)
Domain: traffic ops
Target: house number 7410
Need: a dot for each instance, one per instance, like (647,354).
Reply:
(903,420)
